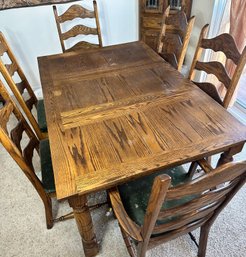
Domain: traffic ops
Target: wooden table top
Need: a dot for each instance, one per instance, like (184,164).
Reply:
(121,112)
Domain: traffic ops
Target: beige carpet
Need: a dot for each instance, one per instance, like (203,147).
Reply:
(23,232)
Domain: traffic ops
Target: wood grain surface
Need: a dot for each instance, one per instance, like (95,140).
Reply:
(121,112)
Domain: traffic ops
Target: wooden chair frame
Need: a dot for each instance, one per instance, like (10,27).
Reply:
(176,30)
(202,211)
(226,44)
(8,70)
(1,99)
(23,157)
(77,11)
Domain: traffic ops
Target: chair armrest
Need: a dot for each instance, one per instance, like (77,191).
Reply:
(129,227)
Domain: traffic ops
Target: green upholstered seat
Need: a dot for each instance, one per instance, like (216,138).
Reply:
(46,166)
(135,194)
(41,116)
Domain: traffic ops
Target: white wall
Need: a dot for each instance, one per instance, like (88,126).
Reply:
(32,31)
(203,11)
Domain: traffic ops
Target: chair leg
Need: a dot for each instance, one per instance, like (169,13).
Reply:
(43,195)
(141,249)
(48,212)
(203,240)
(128,243)
(209,160)
(192,169)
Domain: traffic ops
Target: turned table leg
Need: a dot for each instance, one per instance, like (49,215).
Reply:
(84,222)
(227,156)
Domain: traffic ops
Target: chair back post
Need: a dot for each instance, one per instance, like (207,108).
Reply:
(97,23)
(157,196)
(163,30)
(58,28)
(198,51)
(235,79)
(186,42)
(183,5)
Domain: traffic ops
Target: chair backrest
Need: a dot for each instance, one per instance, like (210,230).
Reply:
(22,151)
(207,195)
(226,44)
(11,137)
(9,67)
(174,37)
(77,11)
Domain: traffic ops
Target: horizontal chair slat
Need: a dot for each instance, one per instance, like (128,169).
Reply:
(3,48)
(12,68)
(215,68)
(78,30)
(76,11)
(84,45)
(176,233)
(186,219)
(206,199)
(21,86)
(229,46)
(210,89)
(5,113)
(199,185)
(29,149)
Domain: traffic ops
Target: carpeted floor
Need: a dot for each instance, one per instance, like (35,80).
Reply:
(23,231)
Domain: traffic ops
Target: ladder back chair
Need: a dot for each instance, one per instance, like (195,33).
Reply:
(9,70)
(11,139)
(174,37)
(77,11)
(226,44)
(157,209)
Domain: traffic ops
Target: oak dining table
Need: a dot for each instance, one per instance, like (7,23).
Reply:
(121,112)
